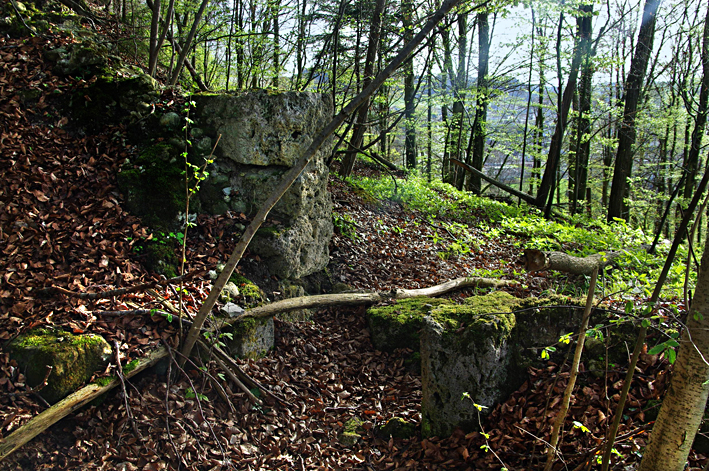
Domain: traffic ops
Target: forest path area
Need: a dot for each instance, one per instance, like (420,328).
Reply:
(62,224)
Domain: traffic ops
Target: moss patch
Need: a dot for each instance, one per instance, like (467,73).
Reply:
(397,325)
(74,359)
(396,427)
(351,432)
(251,294)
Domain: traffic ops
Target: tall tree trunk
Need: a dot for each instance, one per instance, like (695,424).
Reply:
(275,10)
(409,90)
(482,99)
(455,141)
(547,185)
(583,126)
(538,127)
(683,406)
(360,125)
(529,103)
(188,43)
(617,206)
(447,169)
(300,45)
(429,124)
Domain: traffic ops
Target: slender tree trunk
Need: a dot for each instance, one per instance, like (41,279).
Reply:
(447,170)
(275,10)
(188,43)
(409,90)
(300,44)
(547,185)
(429,114)
(617,206)
(583,126)
(529,103)
(482,99)
(362,113)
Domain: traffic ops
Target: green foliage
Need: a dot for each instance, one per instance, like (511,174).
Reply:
(436,199)
(345,225)
(192,394)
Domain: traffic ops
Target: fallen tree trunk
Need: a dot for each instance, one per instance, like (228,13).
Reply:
(536,260)
(68,405)
(529,199)
(372,297)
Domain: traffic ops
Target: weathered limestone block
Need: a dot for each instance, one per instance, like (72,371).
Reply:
(483,349)
(250,338)
(263,134)
(398,325)
(73,358)
(471,359)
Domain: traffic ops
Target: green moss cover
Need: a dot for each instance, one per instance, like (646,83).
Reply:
(396,427)
(351,431)
(249,291)
(74,359)
(397,325)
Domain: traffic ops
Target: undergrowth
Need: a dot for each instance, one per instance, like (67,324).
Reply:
(525,228)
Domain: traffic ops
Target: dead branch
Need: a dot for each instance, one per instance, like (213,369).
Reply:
(229,363)
(537,260)
(69,404)
(529,199)
(373,297)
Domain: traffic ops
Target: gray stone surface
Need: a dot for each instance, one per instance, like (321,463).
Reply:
(252,338)
(263,134)
(487,357)
(473,361)
(231,310)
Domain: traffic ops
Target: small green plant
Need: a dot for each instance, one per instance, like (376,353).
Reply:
(192,394)
(345,225)
(667,347)
(485,446)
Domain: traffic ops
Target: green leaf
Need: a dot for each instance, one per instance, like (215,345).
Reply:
(671,355)
(657,349)
(629,307)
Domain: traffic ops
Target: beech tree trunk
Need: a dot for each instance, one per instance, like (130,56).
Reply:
(626,136)
(684,404)
(479,124)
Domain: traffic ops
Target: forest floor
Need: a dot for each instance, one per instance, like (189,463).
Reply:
(62,224)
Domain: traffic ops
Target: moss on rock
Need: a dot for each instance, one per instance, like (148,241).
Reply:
(397,325)
(351,432)
(396,427)
(73,358)
(251,294)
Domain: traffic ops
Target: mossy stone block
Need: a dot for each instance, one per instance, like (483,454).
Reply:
(398,325)
(73,358)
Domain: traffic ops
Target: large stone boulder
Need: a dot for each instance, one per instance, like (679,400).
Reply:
(73,358)
(263,135)
(260,135)
(481,348)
